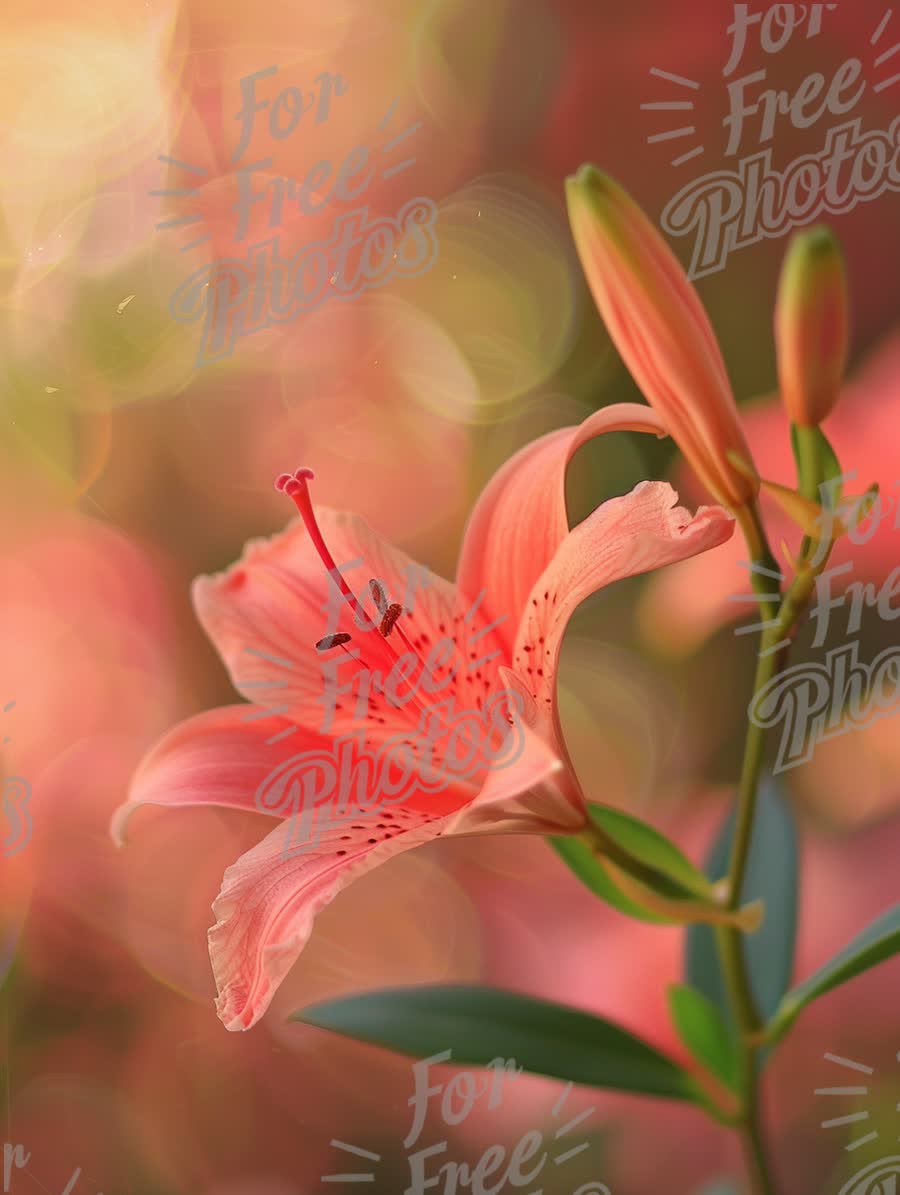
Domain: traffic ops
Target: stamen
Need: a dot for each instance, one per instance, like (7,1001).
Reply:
(296,487)
(377,591)
(391,615)
(330,641)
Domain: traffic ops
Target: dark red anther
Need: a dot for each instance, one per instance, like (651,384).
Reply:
(378,595)
(333,641)
(391,615)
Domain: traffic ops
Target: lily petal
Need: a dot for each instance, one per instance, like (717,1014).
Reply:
(221,758)
(270,898)
(625,536)
(532,793)
(215,758)
(269,901)
(520,519)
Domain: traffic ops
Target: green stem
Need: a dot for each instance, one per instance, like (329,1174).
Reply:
(781,616)
(766,668)
(765,574)
(752,1140)
(730,941)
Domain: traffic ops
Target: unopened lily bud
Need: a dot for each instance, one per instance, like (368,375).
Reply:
(661,330)
(812,326)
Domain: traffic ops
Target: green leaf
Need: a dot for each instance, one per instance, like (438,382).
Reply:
(771,875)
(478,1024)
(648,846)
(702,1029)
(877,942)
(583,863)
(652,848)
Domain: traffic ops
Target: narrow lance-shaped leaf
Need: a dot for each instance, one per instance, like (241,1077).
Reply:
(878,942)
(478,1024)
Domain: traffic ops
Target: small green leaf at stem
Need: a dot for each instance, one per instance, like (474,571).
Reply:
(479,1025)
(667,888)
(641,872)
(666,869)
(652,848)
(702,1029)
(877,942)
(582,861)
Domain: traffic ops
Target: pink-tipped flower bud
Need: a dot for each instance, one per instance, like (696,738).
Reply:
(812,326)
(661,330)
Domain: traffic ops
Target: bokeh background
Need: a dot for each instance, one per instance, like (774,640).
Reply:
(127,468)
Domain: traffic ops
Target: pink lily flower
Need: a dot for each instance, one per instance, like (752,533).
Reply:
(521,575)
